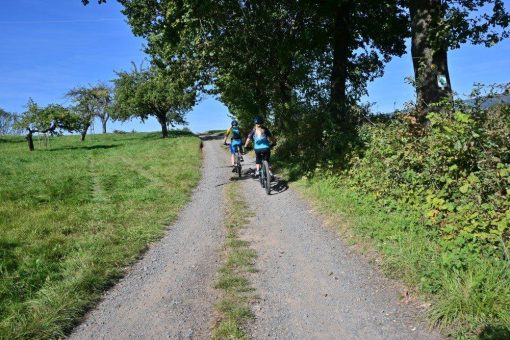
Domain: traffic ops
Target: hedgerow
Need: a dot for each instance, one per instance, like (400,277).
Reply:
(455,171)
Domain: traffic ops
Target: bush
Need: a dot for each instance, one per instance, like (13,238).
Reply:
(455,172)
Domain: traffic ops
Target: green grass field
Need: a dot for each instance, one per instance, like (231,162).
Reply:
(74,215)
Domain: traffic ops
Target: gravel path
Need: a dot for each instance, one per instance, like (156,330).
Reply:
(309,285)
(168,293)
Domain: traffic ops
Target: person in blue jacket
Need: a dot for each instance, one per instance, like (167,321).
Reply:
(262,140)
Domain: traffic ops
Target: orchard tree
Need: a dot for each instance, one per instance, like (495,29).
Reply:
(103,94)
(6,121)
(91,102)
(52,119)
(438,26)
(153,92)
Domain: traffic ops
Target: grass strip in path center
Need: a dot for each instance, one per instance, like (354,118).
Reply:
(233,306)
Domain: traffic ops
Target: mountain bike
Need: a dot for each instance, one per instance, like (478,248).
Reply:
(265,176)
(237,159)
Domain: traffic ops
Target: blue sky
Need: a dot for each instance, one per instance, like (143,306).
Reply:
(51,46)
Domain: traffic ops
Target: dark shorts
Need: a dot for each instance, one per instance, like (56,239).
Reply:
(262,154)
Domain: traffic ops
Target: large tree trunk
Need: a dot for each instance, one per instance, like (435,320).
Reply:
(429,59)
(164,126)
(30,141)
(338,95)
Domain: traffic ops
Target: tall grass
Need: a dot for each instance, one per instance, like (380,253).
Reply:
(73,215)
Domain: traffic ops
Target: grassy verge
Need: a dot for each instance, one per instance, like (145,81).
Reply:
(233,307)
(74,215)
(469,301)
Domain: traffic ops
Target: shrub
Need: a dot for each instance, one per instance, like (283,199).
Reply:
(455,172)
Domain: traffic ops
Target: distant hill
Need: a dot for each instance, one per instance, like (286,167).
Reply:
(502,99)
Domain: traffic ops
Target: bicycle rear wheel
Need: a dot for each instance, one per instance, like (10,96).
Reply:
(238,163)
(267,177)
(261,175)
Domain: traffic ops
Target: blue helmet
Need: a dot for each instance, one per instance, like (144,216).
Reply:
(258,120)
(234,123)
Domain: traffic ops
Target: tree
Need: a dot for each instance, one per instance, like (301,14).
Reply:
(268,57)
(52,119)
(6,121)
(91,102)
(438,26)
(153,92)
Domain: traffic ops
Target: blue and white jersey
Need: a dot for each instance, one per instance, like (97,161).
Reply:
(260,141)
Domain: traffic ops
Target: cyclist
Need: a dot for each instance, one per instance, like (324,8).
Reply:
(236,140)
(262,140)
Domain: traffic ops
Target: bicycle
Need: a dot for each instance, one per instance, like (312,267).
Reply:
(237,159)
(265,176)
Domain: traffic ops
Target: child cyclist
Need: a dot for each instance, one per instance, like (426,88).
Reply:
(262,140)
(236,140)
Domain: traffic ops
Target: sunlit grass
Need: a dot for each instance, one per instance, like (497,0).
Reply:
(73,215)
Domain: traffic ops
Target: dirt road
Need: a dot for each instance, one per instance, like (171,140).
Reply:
(309,285)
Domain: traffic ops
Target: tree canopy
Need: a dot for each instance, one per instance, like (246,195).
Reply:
(295,60)
(90,102)
(52,119)
(6,121)
(153,92)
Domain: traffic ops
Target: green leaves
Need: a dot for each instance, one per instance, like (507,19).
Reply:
(455,173)
(49,119)
(165,94)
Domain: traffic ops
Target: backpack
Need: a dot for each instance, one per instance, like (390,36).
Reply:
(236,133)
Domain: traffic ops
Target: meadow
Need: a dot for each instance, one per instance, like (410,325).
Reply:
(74,215)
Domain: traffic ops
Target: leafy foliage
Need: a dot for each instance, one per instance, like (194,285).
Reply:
(456,172)
(6,122)
(91,102)
(435,201)
(285,61)
(52,119)
(153,92)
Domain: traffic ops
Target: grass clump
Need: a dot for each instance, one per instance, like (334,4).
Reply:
(73,215)
(237,293)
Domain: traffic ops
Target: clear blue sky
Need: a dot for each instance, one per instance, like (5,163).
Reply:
(51,46)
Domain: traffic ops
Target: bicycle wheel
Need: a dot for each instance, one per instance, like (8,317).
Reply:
(238,163)
(267,177)
(261,176)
